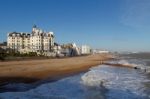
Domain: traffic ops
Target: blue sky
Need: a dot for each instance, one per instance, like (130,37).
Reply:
(118,25)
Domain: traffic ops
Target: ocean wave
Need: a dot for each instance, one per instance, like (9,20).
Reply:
(67,88)
(124,82)
(101,82)
(96,77)
(134,63)
(123,62)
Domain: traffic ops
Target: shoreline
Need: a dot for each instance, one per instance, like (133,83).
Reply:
(120,65)
(28,71)
(13,58)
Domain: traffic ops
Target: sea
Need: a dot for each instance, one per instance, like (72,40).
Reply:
(100,82)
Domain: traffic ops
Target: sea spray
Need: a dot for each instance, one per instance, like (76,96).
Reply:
(125,82)
(101,82)
(96,77)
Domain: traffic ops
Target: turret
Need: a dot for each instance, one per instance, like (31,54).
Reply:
(34,28)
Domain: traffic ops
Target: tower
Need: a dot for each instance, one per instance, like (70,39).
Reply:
(34,28)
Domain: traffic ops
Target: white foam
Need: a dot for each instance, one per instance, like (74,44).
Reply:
(123,62)
(96,77)
(123,81)
(68,88)
(141,65)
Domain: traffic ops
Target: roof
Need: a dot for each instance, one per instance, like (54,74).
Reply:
(34,26)
(3,44)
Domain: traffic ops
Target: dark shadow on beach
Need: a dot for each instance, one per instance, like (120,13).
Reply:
(19,84)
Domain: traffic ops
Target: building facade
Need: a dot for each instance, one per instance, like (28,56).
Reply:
(99,51)
(85,49)
(3,45)
(36,41)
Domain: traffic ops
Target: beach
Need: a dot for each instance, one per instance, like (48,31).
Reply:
(34,70)
(78,81)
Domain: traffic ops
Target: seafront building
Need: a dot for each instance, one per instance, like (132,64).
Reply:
(98,51)
(42,43)
(3,45)
(85,49)
(37,41)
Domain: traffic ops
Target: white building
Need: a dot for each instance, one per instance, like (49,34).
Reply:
(85,49)
(100,51)
(37,41)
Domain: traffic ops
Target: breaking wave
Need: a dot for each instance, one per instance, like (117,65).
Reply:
(101,82)
(121,83)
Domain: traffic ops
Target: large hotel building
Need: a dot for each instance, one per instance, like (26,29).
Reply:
(37,41)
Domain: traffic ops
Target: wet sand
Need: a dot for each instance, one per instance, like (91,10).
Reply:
(34,70)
